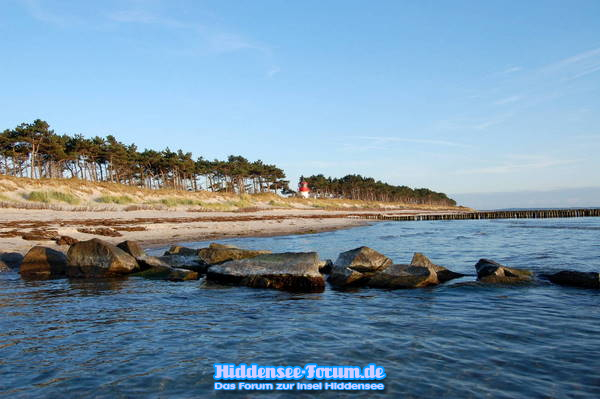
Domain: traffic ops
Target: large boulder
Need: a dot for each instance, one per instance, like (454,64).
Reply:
(219,253)
(441,272)
(403,276)
(43,263)
(155,267)
(489,271)
(354,267)
(133,248)
(576,279)
(290,271)
(97,258)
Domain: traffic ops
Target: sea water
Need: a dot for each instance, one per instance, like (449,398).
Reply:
(139,338)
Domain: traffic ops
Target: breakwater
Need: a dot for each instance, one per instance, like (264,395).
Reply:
(517,214)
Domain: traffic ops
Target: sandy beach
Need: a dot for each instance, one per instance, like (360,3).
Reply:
(155,228)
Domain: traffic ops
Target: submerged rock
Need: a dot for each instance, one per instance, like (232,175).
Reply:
(192,263)
(43,263)
(4,267)
(219,253)
(155,267)
(290,271)
(179,250)
(441,272)
(576,279)
(97,258)
(403,276)
(133,248)
(489,271)
(354,267)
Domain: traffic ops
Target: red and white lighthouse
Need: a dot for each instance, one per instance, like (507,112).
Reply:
(303,189)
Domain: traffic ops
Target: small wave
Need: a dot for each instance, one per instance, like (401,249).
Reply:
(590,228)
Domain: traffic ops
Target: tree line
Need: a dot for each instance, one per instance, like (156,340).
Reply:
(34,150)
(369,189)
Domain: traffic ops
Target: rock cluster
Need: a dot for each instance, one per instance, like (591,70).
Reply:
(291,271)
(364,266)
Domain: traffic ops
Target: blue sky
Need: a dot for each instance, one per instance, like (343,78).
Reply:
(456,96)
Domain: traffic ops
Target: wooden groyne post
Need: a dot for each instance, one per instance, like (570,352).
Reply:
(519,214)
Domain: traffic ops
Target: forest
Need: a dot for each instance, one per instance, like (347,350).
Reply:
(34,150)
(368,189)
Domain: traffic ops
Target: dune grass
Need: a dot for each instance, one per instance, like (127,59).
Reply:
(115,199)
(52,196)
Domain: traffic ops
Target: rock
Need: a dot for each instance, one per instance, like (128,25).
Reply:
(132,248)
(441,272)
(11,259)
(354,267)
(216,254)
(363,259)
(576,279)
(155,267)
(325,266)
(41,262)
(192,263)
(179,250)
(403,276)
(4,267)
(489,271)
(97,258)
(290,271)
(66,240)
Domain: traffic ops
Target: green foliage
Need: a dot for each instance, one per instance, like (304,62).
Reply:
(51,196)
(368,189)
(33,150)
(115,199)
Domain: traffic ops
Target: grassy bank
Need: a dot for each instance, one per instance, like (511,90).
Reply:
(69,194)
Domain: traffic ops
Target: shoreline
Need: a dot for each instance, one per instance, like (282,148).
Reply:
(153,228)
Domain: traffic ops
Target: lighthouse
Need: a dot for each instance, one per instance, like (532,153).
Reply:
(303,189)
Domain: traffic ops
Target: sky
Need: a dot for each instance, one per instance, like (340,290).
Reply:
(457,96)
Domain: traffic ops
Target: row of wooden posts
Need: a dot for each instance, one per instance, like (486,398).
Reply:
(519,214)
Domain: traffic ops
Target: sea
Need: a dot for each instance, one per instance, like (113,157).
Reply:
(139,338)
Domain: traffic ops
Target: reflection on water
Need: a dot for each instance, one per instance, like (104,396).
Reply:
(144,338)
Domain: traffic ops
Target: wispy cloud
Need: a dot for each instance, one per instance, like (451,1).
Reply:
(519,164)
(508,100)
(472,124)
(379,141)
(576,66)
(214,40)
(205,38)
(274,70)
(511,69)
(140,16)
(43,14)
